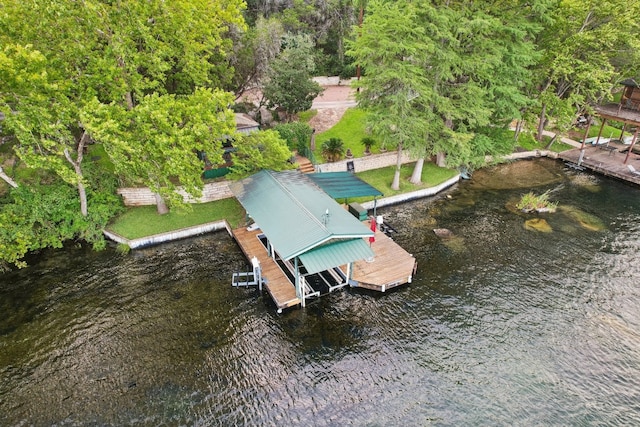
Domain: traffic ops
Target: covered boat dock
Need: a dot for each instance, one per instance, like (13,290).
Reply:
(307,244)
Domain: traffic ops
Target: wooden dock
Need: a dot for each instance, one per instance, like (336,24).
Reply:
(605,160)
(282,291)
(390,267)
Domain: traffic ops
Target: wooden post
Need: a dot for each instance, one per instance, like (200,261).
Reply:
(299,288)
(586,133)
(633,142)
(600,131)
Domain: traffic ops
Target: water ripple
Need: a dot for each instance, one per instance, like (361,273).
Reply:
(503,327)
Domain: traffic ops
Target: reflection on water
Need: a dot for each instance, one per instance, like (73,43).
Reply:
(501,326)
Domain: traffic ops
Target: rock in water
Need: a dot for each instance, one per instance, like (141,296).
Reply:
(538,224)
(443,233)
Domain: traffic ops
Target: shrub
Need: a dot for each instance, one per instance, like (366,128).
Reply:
(297,135)
(368,142)
(333,149)
(530,202)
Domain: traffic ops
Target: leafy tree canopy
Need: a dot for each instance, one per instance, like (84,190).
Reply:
(260,150)
(155,142)
(41,216)
(290,85)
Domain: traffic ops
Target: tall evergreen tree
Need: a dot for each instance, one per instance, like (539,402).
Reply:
(462,65)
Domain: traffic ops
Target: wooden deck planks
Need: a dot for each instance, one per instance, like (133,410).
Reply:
(391,266)
(606,162)
(277,284)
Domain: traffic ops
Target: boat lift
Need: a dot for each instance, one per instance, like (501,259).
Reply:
(249,278)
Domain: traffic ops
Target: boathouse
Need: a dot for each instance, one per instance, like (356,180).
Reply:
(626,111)
(308,244)
(602,153)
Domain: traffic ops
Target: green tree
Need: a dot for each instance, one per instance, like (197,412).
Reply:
(155,142)
(438,72)
(254,50)
(39,216)
(41,111)
(260,150)
(296,134)
(289,85)
(587,47)
(58,57)
(389,47)
(480,65)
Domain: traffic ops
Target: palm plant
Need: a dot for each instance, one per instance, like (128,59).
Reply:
(333,149)
(368,142)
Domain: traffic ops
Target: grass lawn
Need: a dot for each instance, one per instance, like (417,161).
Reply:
(144,221)
(607,132)
(350,129)
(527,142)
(381,179)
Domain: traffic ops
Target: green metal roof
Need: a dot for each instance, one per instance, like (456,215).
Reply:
(343,185)
(335,254)
(296,215)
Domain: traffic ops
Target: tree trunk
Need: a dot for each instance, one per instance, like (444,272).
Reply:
(7,178)
(518,129)
(82,191)
(395,185)
(441,159)
(360,20)
(161,206)
(543,118)
(416,176)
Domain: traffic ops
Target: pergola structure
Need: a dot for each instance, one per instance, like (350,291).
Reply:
(626,111)
(303,225)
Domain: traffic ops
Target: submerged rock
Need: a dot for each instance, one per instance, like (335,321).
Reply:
(538,224)
(586,220)
(587,181)
(521,174)
(455,244)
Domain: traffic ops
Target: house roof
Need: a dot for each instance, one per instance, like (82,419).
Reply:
(343,185)
(245,124)
(300,219)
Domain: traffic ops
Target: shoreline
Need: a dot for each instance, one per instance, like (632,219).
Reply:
(196,230)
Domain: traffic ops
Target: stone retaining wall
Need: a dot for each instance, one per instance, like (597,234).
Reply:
(365,163)
(332,81)
(182,233)
(143,196)
(220,190)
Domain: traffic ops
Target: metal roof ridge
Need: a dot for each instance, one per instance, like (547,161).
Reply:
(297,202)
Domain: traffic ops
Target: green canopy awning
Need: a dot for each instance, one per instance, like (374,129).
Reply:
(343,185)
(335,254)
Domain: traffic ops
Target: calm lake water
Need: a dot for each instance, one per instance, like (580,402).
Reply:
(501,326)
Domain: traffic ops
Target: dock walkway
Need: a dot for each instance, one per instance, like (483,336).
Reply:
(390,267)
(282,291)
(608,161)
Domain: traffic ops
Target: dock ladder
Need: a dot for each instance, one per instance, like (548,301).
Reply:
(249,278)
